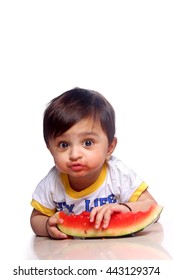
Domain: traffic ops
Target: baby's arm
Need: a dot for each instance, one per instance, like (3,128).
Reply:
(103,213)
(43,225)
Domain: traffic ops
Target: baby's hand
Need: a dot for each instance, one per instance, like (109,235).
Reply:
(52,229)
(103,213)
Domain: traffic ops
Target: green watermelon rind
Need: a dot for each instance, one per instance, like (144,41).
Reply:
(87,230)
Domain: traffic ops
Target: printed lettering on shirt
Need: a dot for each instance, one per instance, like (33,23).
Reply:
(63,206)
(99,202)
(88,204)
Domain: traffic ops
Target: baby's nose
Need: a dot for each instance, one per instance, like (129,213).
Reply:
(75,153)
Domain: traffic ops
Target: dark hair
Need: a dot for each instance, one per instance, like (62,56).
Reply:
(70,107)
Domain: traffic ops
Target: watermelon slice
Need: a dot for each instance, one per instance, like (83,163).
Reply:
(121,224)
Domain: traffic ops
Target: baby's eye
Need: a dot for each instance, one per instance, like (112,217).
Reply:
(63,145)
(88,143)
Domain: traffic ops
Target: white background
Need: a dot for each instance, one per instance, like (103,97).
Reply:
(123,49)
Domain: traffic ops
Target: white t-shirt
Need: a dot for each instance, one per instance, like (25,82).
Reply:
(116,183)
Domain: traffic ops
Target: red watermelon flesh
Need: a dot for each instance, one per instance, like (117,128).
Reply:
(121,224)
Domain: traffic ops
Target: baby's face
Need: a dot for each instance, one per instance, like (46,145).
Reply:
(81,151)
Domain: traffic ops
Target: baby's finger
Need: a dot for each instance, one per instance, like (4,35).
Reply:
(54,220)
(99,217)
(93,213)
(55,233)
(106,218)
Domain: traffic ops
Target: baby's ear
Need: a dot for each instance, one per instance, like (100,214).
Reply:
(111,148)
